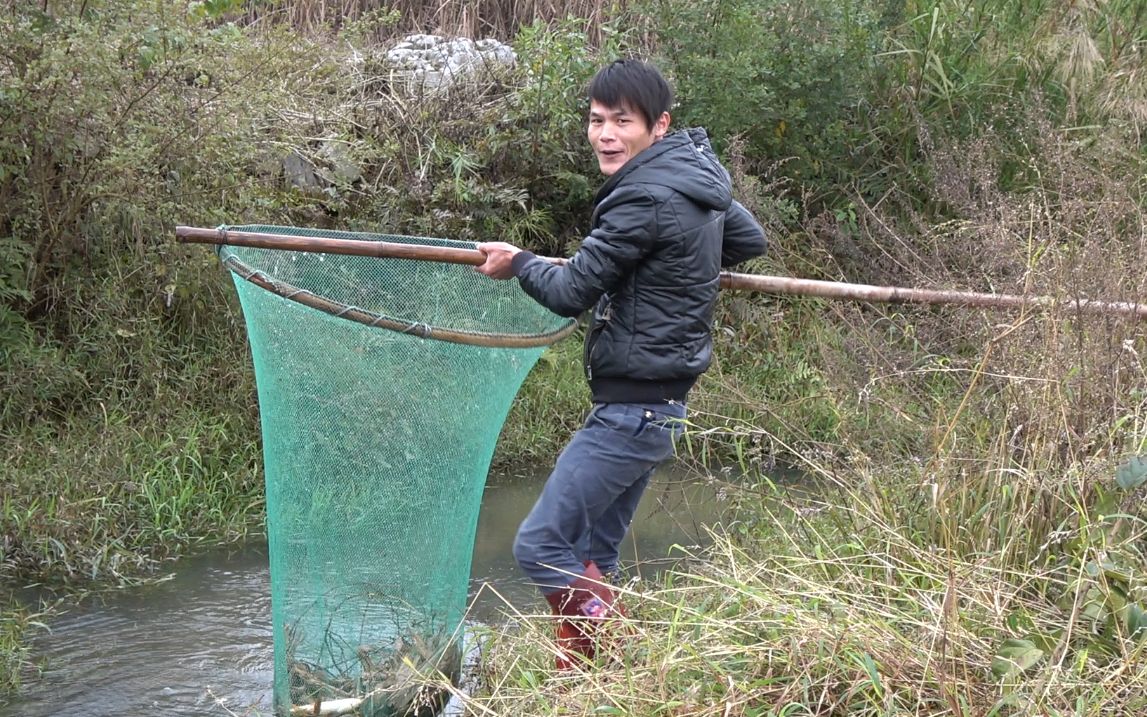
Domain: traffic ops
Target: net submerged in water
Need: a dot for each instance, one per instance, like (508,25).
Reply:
(383,385)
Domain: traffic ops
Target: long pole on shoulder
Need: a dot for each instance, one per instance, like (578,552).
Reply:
(729,280)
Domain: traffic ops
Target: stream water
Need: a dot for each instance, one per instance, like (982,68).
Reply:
(200,644)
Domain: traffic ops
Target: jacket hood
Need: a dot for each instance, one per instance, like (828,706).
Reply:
(685,162)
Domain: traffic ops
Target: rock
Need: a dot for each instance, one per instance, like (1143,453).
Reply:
(432,62)
(322,168)
(299,173)
(336,155)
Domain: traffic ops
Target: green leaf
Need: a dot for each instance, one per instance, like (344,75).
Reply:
(1045,641)
(1015,656)
(1020,620)
(1107,502)
(1132,474)
(1115,572)
(1116,598)
(1135,620)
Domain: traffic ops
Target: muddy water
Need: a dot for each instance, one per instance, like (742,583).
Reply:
(200,642)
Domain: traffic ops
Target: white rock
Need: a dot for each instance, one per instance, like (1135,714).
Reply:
(433,62)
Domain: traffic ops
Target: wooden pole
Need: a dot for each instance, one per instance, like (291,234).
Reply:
(729,280)
(901,295)
(327,245)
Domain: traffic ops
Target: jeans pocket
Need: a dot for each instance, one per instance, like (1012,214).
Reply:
(654,420)
(669,419)
(618,417)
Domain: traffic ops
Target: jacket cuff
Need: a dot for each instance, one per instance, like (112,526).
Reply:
(520,260)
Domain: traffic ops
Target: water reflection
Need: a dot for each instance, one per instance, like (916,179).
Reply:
(171,648)
(200,643)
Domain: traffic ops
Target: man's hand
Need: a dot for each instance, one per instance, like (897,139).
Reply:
(498,254)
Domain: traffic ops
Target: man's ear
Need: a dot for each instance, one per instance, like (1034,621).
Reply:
(661,126)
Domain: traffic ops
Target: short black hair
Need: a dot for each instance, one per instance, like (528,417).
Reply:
(633,83)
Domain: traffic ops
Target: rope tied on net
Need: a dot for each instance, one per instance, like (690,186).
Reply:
(419,329)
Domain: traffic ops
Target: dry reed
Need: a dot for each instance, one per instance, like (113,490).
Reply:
(499,19)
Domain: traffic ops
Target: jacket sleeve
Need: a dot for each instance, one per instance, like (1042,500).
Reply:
(623,236)
(744,238)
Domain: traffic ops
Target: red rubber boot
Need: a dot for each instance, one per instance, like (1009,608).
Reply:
(580,609)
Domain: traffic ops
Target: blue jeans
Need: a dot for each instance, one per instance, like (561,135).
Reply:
(588,501)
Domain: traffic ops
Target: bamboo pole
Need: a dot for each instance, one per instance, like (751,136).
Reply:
(729,280)
(327,245)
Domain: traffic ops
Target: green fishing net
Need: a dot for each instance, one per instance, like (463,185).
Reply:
(383,385)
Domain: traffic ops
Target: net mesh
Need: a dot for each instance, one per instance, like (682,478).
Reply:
(376,444)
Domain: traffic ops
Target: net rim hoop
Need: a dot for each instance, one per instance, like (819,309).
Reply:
(375,320)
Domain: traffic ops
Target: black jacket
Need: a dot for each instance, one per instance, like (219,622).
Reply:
(663,227)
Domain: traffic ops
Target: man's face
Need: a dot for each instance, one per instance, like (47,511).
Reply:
(618,134)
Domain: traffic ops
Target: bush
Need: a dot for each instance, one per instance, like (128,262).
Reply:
(120,121)
(786,77)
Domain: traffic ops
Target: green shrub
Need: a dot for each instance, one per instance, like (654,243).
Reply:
(786,77)
(119,121)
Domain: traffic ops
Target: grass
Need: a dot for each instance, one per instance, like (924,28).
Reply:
(549,407)
(114,499)
(466,19)
(108,497)
(972,551)
(826,607)
(16,624)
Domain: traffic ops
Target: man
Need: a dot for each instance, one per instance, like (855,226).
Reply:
(663,226)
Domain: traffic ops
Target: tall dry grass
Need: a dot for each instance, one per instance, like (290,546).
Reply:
(817,624)
(470,18)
